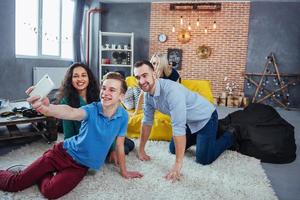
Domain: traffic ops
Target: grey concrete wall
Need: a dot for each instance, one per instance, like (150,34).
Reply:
(129,17)
(16,74)
(275,27)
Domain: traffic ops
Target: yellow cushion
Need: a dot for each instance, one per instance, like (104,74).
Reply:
(202,87)
(131,81)
(162,129)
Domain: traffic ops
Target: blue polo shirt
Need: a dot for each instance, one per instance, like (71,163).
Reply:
(183,105)
(97,133)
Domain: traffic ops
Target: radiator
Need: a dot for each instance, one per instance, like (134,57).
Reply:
(56,74)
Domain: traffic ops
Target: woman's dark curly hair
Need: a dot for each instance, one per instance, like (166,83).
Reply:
(70,93)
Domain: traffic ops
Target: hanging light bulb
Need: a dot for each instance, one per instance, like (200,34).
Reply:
(173,29)
(189,27)
(205,30)
(181,20)
(214,25)
(198,23)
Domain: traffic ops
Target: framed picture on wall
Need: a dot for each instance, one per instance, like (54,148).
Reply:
(175,58)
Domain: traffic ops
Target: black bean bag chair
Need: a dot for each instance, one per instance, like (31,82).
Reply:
(262,133)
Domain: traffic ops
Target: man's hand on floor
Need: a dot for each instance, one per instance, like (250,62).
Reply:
(143,156)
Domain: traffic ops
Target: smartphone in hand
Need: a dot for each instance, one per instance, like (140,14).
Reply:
(43,87)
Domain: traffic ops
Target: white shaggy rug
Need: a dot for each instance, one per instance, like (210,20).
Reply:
(231,176)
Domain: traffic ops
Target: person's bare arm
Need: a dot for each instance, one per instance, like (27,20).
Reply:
(121,160)
(145,133)
(174,173)
(58,111)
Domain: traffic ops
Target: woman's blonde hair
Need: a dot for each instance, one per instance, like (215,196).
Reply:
(161,64)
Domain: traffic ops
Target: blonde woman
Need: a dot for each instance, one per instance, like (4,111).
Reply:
(163,70)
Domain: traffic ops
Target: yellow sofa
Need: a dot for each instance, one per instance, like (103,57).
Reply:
(161,129)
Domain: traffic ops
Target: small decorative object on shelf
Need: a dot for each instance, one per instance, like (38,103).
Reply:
(272,86)
(230,100)
(128,58)
(230,87)
(222,99)
(233,101)
(120,57)
(230,97)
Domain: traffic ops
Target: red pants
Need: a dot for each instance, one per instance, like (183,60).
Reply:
(55,172)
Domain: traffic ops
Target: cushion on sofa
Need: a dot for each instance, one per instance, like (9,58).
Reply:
(161,129)
(131,98)
(203,87)
(128,101)
(131,81)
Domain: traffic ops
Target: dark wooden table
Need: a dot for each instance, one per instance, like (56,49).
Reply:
(17,127)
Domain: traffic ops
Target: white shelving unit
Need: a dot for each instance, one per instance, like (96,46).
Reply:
(110,42)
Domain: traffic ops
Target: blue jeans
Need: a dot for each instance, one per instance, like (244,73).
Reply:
(208,148)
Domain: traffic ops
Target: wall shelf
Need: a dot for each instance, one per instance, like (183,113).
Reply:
(112,44)
(115,65)
(104,49)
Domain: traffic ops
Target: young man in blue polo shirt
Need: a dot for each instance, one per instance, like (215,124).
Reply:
(194,119)
(61,168)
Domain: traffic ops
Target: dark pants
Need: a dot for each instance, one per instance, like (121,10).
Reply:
(55,172)
(128,145)
(208,148)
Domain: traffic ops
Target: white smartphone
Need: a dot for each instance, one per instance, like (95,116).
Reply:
(43,87)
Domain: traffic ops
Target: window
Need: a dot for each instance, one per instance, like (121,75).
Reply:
(44,28)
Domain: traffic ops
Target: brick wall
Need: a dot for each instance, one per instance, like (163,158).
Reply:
(228,42)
